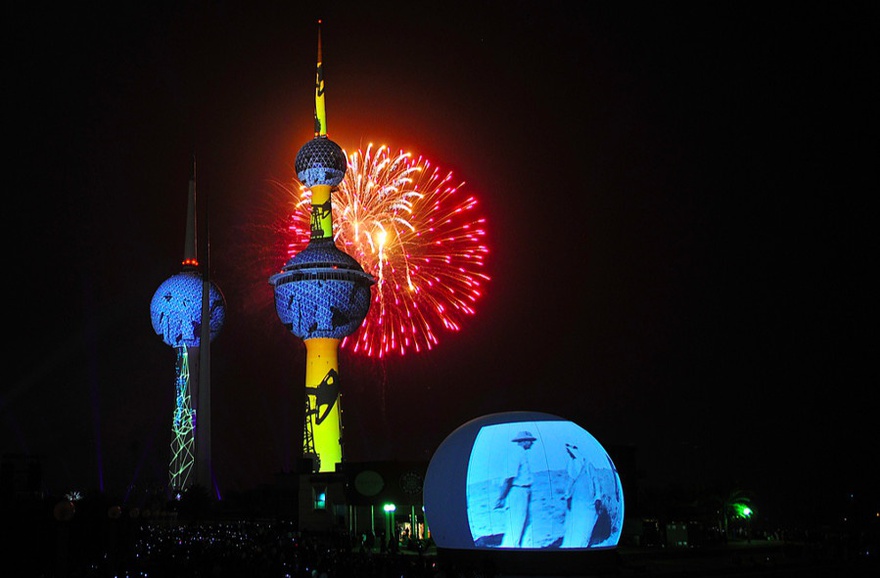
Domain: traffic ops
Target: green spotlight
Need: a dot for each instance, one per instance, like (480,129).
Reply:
(742,511)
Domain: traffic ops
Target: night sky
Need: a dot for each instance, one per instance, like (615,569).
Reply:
(680,205)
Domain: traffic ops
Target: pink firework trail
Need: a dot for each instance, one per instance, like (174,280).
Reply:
(419,234)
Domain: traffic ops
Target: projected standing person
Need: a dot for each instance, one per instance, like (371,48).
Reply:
(581,495)
(516,493)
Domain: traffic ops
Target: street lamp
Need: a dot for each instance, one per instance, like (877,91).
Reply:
(389,522)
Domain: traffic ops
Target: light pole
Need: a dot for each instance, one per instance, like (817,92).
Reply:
(389,522)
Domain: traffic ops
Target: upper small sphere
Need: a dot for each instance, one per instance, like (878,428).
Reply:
(320,162)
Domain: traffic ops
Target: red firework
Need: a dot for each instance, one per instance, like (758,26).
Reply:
(419,234)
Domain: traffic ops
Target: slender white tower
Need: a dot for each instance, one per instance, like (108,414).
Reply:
(187,311)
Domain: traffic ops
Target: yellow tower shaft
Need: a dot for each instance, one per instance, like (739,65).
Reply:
(320,111)
(322,387)
(322,217)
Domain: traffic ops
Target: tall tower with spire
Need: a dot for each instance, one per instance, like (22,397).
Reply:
(322,294)
(187,312)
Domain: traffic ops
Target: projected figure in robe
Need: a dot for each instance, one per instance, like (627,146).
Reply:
(580,497)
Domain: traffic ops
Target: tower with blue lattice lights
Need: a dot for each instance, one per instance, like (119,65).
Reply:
(187,312)
(322,294)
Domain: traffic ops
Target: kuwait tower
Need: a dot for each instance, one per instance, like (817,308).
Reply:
(322,294)
(187,311)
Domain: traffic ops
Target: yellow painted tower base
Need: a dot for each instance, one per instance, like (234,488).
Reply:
(324,414)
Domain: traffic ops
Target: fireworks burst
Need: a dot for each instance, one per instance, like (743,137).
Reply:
(413,228)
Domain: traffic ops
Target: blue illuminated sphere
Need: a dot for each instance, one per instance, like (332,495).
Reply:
(320,162)
(568,493)
(176,309)
(322,292)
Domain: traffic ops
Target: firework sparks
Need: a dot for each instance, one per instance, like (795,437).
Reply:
(419,234)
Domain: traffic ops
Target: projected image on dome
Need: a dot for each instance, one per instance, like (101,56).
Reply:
(542,484)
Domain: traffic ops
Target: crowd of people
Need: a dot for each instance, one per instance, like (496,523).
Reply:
(269,549)
(127,547)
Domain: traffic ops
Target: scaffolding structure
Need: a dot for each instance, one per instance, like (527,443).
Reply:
(183,440)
